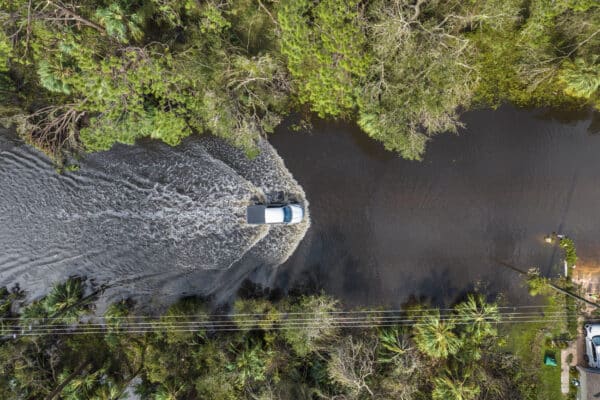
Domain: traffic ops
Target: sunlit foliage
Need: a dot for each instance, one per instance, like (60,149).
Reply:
(325,47)
(83,75)
(257,357)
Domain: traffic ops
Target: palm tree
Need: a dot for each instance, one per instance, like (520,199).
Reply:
(435,337)
(170,390)
(477,317)
(79,386)
(581,79)
(65,298)
(320,311)
(447,388)
(108,390)
(392,344)
(72,383)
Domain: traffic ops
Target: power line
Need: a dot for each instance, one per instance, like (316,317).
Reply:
(320,316)
(244,325)
(399,311)
(252,324)
(238,329)
(296,316)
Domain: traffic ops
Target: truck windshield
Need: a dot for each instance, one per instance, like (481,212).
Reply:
(287,214)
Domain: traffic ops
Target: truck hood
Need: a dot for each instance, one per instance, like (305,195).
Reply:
(297,213)
(593,329)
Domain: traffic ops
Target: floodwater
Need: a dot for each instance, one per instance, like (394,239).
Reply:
(149,221)
(385,229)
(157,222)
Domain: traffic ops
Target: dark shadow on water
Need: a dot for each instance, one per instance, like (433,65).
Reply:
(252,290)
(589,115)
(385,229)
(594,127)
(309,282)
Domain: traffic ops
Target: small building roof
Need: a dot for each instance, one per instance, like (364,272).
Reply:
(589,380)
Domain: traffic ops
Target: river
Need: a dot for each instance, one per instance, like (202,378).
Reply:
(158,222)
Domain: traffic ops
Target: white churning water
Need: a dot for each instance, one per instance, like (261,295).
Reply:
(151,221)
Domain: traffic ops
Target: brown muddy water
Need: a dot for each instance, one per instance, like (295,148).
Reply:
(157,223)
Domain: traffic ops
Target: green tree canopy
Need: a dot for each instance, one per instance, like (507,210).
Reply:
(83,75)
(188,353)
(436,338)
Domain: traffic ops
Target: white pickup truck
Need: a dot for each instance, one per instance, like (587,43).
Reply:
(281,214)
(592,345)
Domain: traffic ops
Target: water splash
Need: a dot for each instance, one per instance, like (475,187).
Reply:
(150,220)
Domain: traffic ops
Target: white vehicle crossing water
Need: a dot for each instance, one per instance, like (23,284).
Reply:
(280,214)
(154,217)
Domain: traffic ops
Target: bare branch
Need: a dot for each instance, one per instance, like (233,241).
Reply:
(417,8)
(261,5)
(76,17)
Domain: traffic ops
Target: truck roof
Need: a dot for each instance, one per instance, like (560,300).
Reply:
(274,215)
(256,214)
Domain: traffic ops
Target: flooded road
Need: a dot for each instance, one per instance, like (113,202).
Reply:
(158,222)
(148,221)
(385,229)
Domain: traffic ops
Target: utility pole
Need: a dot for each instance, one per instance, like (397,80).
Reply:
(553,286)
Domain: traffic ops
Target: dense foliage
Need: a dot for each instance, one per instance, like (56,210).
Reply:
(568,245)
(441,357)
(87,74)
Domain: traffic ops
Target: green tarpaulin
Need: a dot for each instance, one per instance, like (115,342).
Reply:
(549,360)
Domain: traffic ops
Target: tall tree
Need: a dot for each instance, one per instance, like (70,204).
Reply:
(324,44)
(419,78)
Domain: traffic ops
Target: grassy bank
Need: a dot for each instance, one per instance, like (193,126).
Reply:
(530,342)
(547,335)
